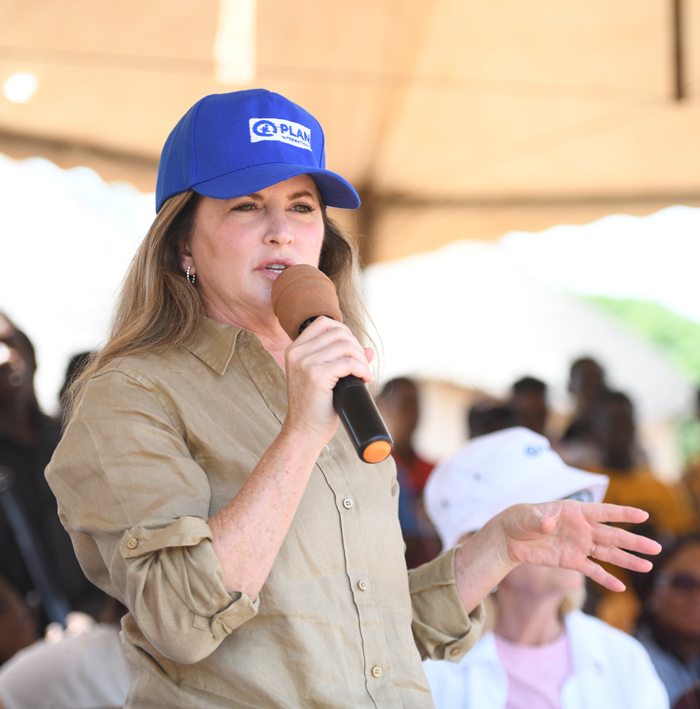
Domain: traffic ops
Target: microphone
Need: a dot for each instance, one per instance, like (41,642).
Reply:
(300,294)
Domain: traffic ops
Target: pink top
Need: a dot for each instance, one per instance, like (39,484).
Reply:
(536,673)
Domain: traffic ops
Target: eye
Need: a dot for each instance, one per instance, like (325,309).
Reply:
(244,207)
(304,208)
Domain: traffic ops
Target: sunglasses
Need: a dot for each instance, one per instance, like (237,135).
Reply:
(679,582)
(581,496)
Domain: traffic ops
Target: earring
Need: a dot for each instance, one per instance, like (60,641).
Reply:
(190,279)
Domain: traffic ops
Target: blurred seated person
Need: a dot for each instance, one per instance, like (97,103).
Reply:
(399,404)
(541,650)
(528,402)
(18,622)
(636,484)
(690,483)
(689,699)
(586,385)
(28,510)
(487,417)
(669,627)
(79,667)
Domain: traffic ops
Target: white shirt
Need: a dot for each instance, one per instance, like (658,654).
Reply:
(79,672)
(610,669)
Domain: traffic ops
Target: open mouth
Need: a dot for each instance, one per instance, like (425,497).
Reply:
(276,267)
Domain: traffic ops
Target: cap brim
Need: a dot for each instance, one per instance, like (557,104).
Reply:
(595,482)
(335,191)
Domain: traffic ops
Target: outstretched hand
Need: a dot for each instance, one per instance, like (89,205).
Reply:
(570,534)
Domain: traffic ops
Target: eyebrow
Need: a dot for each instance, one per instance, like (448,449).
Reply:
(296,195)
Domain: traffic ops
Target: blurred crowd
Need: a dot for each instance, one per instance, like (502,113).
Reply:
(661,609)
(59,633)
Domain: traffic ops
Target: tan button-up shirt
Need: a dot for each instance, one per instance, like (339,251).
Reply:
(158,446)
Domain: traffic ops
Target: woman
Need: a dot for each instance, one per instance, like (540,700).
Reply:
(669,627)
(202,475)
(541,651)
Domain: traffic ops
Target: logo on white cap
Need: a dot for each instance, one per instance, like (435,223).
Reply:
(280,130)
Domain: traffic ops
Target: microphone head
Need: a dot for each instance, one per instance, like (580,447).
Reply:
(301,292)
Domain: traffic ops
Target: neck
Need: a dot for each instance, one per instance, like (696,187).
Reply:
(268,329)
(618,461)
(526,619)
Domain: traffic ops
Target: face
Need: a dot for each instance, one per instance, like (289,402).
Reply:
(400,409)
(239,247)
(542,581)
(16,364)
(586,382)
(539,582)
(530,409)
(677,600)
(614,428)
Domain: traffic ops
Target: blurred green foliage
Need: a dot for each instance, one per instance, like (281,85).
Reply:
(678,336)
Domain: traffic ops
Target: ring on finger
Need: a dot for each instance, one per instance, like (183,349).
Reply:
(593,548)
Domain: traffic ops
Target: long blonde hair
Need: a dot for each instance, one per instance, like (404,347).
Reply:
(157,308)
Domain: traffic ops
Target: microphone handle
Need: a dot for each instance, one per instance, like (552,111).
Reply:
(356,409)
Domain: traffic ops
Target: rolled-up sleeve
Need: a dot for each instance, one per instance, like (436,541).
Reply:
(441,626)
(174,589)
(136,503)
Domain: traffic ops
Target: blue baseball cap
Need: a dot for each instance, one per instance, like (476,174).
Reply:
(231,145)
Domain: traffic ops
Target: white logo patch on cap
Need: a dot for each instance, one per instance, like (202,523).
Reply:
(280,130)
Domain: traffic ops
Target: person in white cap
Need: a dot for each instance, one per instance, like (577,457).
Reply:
(541,652)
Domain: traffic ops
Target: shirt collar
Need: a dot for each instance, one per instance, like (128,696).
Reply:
(589,651)
(215,344)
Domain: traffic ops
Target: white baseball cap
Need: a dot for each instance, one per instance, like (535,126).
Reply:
(497,470)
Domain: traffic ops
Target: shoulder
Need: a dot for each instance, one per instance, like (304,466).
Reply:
(153,373)
(603,640)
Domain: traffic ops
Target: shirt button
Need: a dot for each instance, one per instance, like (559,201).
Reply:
(362,585)
(456,651)
(347,503)
(132,543)
(377,671)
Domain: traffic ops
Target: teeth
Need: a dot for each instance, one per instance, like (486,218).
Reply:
(276,267)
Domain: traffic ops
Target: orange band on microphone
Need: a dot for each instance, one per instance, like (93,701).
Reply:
(376,452)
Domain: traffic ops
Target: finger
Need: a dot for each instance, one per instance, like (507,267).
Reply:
(328,364)
(621,558)
(320,325)
(324,350)
(340,358)
(327,332)
(369,354)
(600,575)
(329,347)
(624,539)
(606,512)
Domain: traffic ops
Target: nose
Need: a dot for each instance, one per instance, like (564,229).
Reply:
(277,230)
